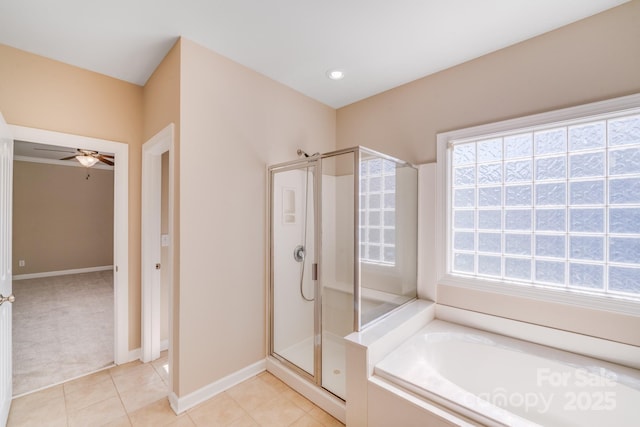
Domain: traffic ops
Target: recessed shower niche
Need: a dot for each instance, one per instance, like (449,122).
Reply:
(343,253)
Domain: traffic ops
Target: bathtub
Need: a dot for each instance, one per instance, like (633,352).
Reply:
(496,380)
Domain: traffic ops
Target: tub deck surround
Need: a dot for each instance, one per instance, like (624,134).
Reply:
(365,349)
(498,380)
(416,370)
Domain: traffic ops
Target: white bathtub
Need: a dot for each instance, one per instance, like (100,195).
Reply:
(496,380)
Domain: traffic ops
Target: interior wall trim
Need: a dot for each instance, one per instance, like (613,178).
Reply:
(181,404)
(61,272)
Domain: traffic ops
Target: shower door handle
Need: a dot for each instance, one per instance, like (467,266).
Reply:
(314,271)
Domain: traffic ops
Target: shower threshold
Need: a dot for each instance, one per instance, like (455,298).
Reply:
(333,357)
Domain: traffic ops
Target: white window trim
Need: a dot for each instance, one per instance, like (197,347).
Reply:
(566,296)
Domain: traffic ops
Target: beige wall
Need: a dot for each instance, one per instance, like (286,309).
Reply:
(234,122)
(593,59)
(62,218)
(161,107)
(41,93)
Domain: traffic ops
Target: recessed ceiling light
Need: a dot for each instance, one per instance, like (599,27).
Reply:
(335,74)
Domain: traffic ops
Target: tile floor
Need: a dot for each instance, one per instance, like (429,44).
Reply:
(135,395)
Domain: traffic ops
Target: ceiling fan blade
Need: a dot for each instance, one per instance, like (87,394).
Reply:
(69,158)
(103,160)
(57,151)
(108,156)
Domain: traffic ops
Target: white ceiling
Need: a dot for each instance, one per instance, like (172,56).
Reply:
(379,44)
(43,153)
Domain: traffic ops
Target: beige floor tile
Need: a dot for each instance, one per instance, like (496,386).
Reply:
(119,422)
(116,371)
(218,411)
(307,421)
(302,402)
(34,400)
(30,411)
(135,395)
(274,382)
(90,394)
(162,368)
(142,396)
(158,413)
(136,377)
(85,383)
(98,414)
(276,413)
(252,393)
(326,419)
(244,421)
(182,421)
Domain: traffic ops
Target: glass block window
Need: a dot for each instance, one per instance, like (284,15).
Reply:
(557,206)
(378,211)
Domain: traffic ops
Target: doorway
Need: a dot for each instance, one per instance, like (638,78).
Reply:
(157,245)
(120,221)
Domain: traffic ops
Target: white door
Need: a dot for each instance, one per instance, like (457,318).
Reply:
(6,187)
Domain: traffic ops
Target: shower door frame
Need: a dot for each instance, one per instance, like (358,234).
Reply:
(299,164)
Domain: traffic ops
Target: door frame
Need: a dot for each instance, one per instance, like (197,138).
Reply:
(152,152)
(302,165)
(120,221)
(6,209)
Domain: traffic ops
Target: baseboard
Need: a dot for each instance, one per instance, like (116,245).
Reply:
(164,345)
(181,404)
(61,272)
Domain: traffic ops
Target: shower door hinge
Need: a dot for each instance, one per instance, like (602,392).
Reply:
(314,271)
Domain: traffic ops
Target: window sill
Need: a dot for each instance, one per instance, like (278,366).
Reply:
(625,306)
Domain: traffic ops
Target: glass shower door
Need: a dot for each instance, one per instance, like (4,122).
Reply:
(293,255)
(337,266)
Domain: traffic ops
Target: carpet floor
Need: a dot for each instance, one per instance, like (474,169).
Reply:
(62,328)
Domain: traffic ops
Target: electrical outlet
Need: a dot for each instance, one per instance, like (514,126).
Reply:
(21,263)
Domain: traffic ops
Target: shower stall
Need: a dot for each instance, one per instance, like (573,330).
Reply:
(343,253)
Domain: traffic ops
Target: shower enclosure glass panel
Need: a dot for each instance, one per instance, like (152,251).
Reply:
(293,253)
(343,254)
(387,226)
(336,266)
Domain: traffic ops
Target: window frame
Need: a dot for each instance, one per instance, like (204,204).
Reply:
(618,106)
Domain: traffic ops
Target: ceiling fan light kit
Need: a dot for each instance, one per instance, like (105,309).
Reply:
(86,160)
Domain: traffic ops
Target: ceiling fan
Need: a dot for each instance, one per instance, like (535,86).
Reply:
(86,158)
